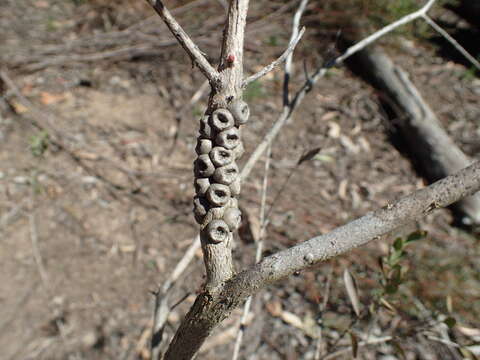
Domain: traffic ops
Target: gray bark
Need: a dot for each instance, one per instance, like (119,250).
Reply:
(211,307)
(428,143)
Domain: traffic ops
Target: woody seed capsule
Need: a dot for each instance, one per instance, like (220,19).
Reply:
(201,186)
(222,119)
(221,156)
(229,139)
(203,146)
(232,218)
(205,129)
(217,231)
(226,174)
(218,194)
(203,166)
(240,111)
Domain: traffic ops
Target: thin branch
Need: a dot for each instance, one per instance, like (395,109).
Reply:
(452,41)
(288,62)
(373,341)
(275,63)
(186,42)
(161,308)
(369,227)
(385,30)
(37,255)
(258,256)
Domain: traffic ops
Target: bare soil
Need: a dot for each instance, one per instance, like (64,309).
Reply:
(95,213)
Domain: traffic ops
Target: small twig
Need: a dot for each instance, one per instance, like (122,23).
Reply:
(258,257)
(361,343)
(383,31)
(161,308)
(36,251)
(452,41)
(186,42)
(275,63)
(288,62)
(323,306)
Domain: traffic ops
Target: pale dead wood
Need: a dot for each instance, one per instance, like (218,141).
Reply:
(428,144)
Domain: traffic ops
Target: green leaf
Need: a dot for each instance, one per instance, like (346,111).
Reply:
(398,244)
(396,275)
(391,288)
(395,257)
(415,236)
(450,322)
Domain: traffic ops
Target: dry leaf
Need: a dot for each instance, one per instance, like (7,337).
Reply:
(349,145)
(351,291)
(470,332)
(342,189)
(329,116)
(47,98)
(86,155)
(274,308)
(19,108)
(292,319)
(334,130)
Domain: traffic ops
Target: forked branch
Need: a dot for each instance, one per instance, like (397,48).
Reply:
(208,311)
(190,47)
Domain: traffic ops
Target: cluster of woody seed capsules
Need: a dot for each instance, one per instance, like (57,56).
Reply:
(217,178)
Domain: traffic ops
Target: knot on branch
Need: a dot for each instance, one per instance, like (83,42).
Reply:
(217,179)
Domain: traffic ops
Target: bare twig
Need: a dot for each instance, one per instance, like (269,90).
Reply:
(275,63)
(288,62)
(161,307)
(326,296)
(385,30)
(452,41)
(258,257)
(36,250)
(361,343)
(287,107)
(182,37)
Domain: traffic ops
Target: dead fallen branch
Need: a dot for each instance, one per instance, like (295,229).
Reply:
(428,144)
